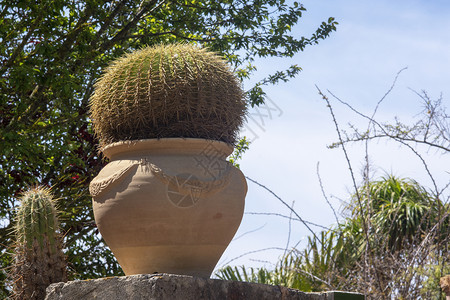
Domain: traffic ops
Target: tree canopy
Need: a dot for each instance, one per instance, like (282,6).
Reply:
(51,54)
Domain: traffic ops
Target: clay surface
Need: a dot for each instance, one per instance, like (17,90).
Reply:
(168,205)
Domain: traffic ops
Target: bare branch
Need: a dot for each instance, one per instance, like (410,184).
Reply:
(285,204)
(324,194)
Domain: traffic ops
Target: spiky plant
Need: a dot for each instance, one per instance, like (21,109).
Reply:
(177,90)
(38,257)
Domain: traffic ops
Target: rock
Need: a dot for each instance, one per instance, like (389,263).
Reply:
(168,286)
(445,285)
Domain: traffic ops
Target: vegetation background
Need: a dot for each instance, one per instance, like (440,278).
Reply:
(53,52)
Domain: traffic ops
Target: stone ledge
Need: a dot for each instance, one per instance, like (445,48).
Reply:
(168,286)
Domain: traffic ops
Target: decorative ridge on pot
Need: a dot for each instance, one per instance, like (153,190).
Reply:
(167,91)
(166,145)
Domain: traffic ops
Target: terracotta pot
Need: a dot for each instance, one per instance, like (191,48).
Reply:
(168,205)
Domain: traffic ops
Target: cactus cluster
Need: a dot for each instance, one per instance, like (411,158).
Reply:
(38,257)
(164,91)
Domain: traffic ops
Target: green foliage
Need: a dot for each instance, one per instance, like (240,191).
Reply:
(432,274)
(38,257)
(239,150)
(174,90)
(52,53)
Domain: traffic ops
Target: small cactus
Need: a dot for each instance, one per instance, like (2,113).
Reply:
(38,257)
(168,91)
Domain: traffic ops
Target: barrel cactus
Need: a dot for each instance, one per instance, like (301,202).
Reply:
(165,91)
(38,257)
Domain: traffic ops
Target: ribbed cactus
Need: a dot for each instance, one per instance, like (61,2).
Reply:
(168,91)
(39,260)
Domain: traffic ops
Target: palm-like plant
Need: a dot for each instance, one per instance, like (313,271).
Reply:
(387,247)
(396,211)
(284,274)
(401,227)
(318,267)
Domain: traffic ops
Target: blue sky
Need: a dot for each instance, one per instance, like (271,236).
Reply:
(358,63)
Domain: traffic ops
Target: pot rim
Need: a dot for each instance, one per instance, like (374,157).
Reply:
(193,145)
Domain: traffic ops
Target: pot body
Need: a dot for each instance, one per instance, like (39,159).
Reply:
(168,205)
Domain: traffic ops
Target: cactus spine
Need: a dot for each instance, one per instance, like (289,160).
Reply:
(168,91)
(38,257)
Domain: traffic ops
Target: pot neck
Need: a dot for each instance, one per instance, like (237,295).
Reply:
(187,146)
